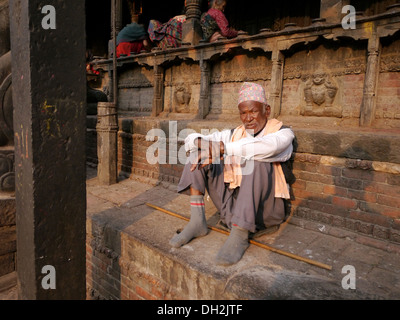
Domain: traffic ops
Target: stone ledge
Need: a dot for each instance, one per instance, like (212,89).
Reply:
(121,226)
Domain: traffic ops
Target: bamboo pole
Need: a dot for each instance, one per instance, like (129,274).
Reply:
(257,243)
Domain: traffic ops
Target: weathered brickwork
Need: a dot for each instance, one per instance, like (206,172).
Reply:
(121,267)
(348,193)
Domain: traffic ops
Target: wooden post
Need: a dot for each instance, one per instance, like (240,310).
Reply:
(205,90)
(276,82)
(371,78)
(158,96)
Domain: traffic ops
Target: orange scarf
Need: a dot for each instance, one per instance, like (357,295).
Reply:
(233,171)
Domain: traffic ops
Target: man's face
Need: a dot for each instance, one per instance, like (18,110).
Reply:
(253,116)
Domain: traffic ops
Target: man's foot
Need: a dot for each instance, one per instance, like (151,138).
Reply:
(192,230)
(264,232)
(234,247)
(197,226)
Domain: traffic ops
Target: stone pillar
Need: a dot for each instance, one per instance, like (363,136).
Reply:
(191,29)
(158,95)
(49,97)
(276,82)
(107,130)
(371,78)
(205,89)
(331,10)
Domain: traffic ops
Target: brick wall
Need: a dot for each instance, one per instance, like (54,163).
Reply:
(120,266)
(358,195)
(132,159)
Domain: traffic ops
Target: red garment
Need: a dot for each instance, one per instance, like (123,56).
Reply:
(223,23)
(128,47)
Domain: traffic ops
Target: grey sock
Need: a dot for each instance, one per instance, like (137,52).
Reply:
(234,247)
(197,225)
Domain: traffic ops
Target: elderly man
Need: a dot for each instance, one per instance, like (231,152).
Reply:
(242,173)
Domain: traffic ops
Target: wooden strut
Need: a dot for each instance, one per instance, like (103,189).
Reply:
(258,244)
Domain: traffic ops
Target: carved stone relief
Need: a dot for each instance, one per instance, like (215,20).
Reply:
(139,77)
(319,95)
(135,90)
(182,97)
(390,63)
(390,58)
(7,175)
(241,68)
(316,80)
(182,85)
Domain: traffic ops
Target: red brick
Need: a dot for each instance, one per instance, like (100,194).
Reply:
(388,201)
(314,187)
(334,190)
(308,195)
(379,209)
(329,170)
(327,208)
(358,174)
(362,195)
(299,184)
(393,180)
(344,202)
(373,218)
(143,293)
(348,183)
(308,176)
(383,188)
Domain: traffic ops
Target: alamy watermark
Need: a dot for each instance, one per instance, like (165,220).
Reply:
(349,20)
(158,153)
(349,280)
(49,20)
(49,280)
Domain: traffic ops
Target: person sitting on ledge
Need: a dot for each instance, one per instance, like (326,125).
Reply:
(241,169)
(214,23)
(167,35)
(133,38)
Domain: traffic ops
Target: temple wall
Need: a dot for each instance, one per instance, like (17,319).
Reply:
(338,90)
(135,90)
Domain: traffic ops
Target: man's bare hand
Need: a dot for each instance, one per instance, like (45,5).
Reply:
(207,152)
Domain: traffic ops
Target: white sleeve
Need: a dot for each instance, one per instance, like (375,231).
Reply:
(274,147)
(216,136)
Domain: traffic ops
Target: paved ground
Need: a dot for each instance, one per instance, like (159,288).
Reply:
(376,263)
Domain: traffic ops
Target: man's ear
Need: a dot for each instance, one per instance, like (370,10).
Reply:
(267,110)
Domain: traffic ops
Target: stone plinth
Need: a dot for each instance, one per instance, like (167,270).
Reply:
(107,129)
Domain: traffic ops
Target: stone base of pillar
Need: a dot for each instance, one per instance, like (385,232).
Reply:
(107,130)
(192,32)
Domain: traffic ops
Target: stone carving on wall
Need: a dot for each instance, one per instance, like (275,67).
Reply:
(182,95)
(350,66)
(7,175)
(241,69)
(390,63)
(319,95)
(138,77)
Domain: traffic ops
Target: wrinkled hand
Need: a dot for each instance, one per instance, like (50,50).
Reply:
(207,152)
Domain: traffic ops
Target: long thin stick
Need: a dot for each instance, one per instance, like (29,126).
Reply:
(259,244)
